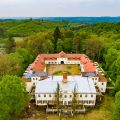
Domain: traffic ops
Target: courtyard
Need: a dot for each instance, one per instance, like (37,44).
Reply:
(58,69)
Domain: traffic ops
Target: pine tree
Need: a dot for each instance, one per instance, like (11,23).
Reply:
(10,45)
(57,35)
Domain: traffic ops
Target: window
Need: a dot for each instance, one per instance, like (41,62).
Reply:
(80,95)
(70,96)
(65,102)
(91,95)
(39,101)
(85,95)
(33,78)
(60,96)
(50,102)
(95,78)
(44,101)
(50,95)
(102,83)
(69,102)
(85,102)
(38,95)
(92,78)
(91,102)
(44,95)
(65,96)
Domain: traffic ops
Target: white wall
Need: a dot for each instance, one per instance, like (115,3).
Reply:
(35,80)
(66,98)
(95,80)
(102,86)
(41,96)
(65,60)
(87,98)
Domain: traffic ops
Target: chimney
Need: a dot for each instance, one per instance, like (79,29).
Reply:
(52,77)
(64,77)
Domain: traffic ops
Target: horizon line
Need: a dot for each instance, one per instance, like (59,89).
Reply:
(51,16)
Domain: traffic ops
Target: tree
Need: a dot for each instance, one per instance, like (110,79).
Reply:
(26,57)
(1,32)
(38,43)
(58,97)
(50,46)
(94,48)
(13,97)
(116,114)
(76,44)
(74,100)
(59,45)
(68,34)
(67,45)
(57,35)
(79,42)
(117,84)
(10,64)
(115,68)
(110,57)
(10,45)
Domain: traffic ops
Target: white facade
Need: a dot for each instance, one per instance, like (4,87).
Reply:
(35,80)
(45,92)
(66,99)
(62,61)
(102,86)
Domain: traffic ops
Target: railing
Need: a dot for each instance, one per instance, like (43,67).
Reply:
(54,110)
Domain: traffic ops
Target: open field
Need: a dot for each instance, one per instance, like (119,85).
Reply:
(18,38)
(101,112)
(59,69)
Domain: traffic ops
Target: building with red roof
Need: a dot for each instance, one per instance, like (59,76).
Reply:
(88,67)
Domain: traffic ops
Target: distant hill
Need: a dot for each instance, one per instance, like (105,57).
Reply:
(73,19)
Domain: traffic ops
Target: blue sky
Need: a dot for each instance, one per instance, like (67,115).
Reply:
(48,8)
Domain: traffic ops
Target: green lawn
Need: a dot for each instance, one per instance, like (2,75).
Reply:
(59,69)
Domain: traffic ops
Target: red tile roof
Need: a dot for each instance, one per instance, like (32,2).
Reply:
(39,64)
(89,67)
(101,78)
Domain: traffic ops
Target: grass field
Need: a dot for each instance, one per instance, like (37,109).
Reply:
(100,112)
(59,69)
(18,38)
